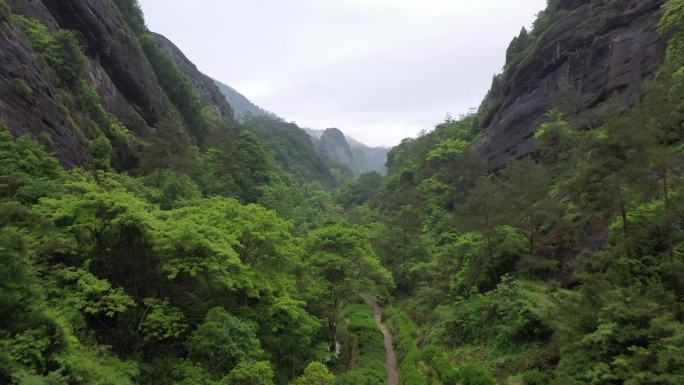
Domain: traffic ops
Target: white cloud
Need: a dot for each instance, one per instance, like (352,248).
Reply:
(379,70)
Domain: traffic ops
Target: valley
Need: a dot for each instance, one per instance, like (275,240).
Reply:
(157,227)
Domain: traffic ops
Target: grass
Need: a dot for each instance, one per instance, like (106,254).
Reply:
(24,90)
(406,332)
(361,335)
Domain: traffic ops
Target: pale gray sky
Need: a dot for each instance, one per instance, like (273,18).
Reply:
(379,70)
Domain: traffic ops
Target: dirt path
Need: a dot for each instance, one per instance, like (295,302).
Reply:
(391,357)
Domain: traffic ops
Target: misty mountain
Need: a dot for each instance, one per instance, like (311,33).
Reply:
(243,107)
(343,149)
(331,143)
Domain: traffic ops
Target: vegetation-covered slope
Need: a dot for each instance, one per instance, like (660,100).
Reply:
(564,267)
(180,248)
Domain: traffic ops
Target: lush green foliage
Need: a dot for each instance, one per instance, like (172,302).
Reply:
(224,261)
(558,269)
(291,148)
(409,354)
(315,374)
(164,277)
(365,341)
(62,52)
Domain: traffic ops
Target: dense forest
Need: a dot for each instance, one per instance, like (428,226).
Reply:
(188,248)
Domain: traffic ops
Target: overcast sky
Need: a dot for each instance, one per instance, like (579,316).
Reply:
(379,70)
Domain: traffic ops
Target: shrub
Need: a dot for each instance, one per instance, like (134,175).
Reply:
(5,11)
(315,374)
(406,332)
(65,55)
(24,90)
(62,52)
(475,375)
(446,372)
(177,86)
(101,152)
(370,369)
(535,377)
(252,373)
(222,341)
(132,14)
(90,101)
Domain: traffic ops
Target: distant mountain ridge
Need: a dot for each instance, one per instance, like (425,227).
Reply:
(357,156)
(243,107)
(331,143)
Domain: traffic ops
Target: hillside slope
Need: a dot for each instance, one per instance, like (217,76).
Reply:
(135,84)
(584,55)
(244,108)
(358,157)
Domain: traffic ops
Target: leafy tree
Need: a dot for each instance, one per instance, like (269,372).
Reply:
(62,51)
(27,172)
(162,321)
(315,374)
(223,341)
(101,152)
(344,265)
(253,373)
(169,148)
(526,189)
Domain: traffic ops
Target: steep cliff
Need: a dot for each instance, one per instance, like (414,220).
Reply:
(334,145)
(28,99)
(110,43)
(243,107)
(580,55)
(359,159)
(136,89)
(208,91)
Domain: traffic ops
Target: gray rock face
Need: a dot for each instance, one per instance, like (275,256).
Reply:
(360,159)
(28,101)
(34,9)
(112,99)
(110,43)
(334,145)
(119,71)
(205,86)
(598,52)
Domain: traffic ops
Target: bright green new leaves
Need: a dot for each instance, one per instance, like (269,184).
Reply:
(92,295)
(315,374)
(448,149)
(162,321)
(342,256)
(96,218)
(253,373)
(27,172)
(222,236)
(190,243)
(673,16)
(61,51)
(343,266)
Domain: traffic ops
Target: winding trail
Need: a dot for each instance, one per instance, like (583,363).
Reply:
(390,354)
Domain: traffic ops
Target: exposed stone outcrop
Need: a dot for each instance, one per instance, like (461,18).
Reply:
(111,44)
(28,101)
(334,145)
(205,86)
(113,100)
(119,71)
(358,157)
(596,51)
(35,9)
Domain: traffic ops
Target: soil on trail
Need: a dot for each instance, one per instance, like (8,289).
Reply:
(391,357)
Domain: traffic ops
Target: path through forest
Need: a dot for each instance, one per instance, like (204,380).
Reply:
(390,354)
